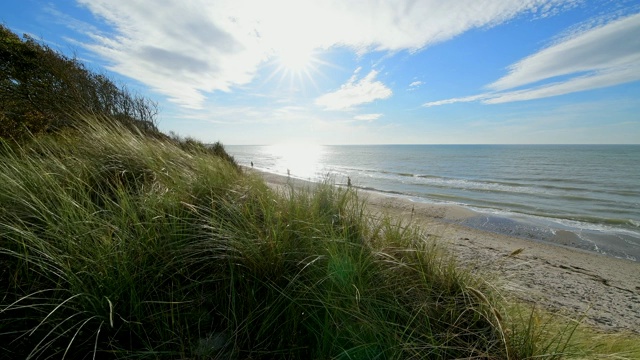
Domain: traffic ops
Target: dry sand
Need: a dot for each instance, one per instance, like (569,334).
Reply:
(605,290)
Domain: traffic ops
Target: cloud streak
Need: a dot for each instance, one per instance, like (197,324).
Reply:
(186,50)
(599,57)
(367,117)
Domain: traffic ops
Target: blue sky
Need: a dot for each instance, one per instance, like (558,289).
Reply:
(363,72)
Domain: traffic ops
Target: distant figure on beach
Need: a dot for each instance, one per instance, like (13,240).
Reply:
(348,181)
(288,172)
(252,164)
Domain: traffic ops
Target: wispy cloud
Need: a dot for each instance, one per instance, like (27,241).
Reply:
(69,21)
(606,55)
(605,48)
(414,85)
(186,50)
(458,100)
(355,92)
(367,117)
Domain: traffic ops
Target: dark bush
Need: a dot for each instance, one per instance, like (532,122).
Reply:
(42,91)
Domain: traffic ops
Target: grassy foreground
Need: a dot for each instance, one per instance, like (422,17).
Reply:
(117,245)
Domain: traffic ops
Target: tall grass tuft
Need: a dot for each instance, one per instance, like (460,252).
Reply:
(117,245)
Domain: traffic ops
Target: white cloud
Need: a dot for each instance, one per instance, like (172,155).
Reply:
(415,85)
(179,49)
(603,56)
(600,79)
(355,93)
(185,50)
(367,117)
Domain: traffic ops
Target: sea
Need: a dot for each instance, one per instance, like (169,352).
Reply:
(582,196)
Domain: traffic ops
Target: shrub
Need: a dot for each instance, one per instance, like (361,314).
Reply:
(42,91)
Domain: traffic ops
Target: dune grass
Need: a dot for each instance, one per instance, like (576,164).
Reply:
(117,245)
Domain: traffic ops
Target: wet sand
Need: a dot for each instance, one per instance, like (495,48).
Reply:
(575,282)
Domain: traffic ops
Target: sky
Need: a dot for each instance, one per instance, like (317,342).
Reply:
(362,72)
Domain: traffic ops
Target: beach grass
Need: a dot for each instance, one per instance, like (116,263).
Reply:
(114,244)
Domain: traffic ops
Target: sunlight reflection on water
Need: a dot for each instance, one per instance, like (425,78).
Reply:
(300,160)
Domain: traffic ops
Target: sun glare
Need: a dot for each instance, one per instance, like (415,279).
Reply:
(295,60)
(298,160)
(296,65)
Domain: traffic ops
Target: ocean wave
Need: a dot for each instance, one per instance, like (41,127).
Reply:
(510,209)
(509,186)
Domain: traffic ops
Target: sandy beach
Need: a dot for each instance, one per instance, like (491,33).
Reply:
(602,289)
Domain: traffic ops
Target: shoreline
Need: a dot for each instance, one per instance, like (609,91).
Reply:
(579,283)
(596,238)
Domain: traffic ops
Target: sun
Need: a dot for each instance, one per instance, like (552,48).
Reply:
(295,59)
(295,64)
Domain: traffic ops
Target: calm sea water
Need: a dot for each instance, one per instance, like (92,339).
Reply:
(586,196)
